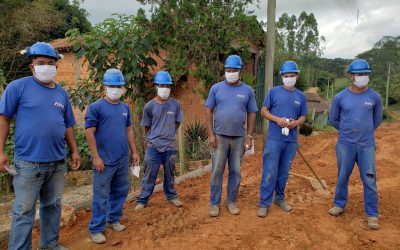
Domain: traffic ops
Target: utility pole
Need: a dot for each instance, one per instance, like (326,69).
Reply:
(269,55)
(332,89)
(387,87)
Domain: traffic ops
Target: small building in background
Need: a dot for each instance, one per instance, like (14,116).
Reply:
(318,108)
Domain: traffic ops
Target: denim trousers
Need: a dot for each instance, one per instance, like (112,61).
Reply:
(277,160)
(347,155)
(110,189)
(231,149)
(46,182)
(152,162)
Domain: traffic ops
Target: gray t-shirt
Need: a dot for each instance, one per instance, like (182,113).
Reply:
(231,105)
(161,119)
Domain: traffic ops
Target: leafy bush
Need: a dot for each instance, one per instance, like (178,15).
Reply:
(196,144)
(83,149)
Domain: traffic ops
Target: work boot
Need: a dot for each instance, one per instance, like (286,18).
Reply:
(117,227)
(262,212)
(284,206)
(98,238)
(176,202)
(373,223)
(139,206)
(214,211)
(233,208)
(336,211)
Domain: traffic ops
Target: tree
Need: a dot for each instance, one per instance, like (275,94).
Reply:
(202,33)
(298,39)
(74,17)
(23,22)
(385,51)
(119,42)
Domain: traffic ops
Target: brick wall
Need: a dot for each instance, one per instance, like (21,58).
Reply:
(192,102)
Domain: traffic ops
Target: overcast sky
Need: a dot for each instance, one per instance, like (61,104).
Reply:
(346,36)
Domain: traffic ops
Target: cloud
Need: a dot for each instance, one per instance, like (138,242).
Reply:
(337,22)
(102,9)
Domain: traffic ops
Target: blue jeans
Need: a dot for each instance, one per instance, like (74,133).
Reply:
(346,156)
(152,162)
(231,149)
(110,189)
(37,180)
(277,160)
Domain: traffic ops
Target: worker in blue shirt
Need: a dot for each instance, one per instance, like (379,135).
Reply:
(285,107)
(229,104)
(44,124)
(356,112)
(110,135)
(162,116)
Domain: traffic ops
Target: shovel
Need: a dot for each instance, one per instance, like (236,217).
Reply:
(319,185)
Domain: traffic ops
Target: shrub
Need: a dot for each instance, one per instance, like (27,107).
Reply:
(196,144)
(83,149)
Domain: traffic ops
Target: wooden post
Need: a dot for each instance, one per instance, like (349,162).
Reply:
(269,55)
(181,138)
(313,115)
(327,91)
(387,87)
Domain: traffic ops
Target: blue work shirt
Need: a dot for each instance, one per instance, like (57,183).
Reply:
(356,116)
(231,103)
(284,103)
(42,116)
(161,119)
(111,122)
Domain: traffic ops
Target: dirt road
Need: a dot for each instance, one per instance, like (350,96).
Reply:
(308,226)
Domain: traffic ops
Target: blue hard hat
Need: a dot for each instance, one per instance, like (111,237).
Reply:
(162,77)
(42,49)
(359,66)
(289,67)
(113,77)
(233,62)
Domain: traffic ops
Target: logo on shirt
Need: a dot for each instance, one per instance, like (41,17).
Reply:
(297,102)
(58,104)
(368,103)
(125,114)
(240,96)
(170,113)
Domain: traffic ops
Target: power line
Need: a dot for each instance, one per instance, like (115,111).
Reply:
(348,13)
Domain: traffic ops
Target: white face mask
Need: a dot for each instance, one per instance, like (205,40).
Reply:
(361,81)
(163,93)
(113,93)
(45,73)
(232,77)
(289,81)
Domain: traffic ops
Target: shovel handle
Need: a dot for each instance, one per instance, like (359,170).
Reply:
(312,170)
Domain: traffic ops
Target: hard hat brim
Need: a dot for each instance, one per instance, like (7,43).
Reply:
(114,83)
(360,71)
(289,71)
(166,83)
